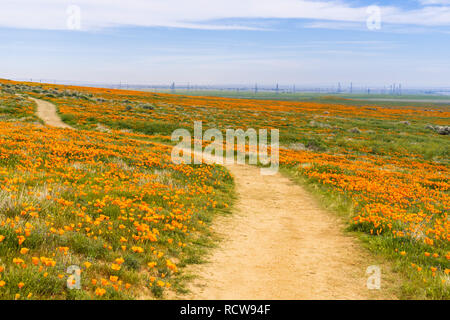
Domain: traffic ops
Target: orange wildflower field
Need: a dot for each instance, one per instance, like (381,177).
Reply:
(107,198)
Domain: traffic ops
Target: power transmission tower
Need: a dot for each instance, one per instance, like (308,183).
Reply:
(256,88)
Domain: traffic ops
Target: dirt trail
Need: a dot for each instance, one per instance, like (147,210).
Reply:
(47,112)
(278,244)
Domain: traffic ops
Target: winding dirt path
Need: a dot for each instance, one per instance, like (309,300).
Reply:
(278,244)
(47,112)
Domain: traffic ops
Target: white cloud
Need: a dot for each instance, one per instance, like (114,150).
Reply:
(201,14)
(434,2)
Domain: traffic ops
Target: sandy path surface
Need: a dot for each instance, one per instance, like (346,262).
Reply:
(47,112)
(278,244)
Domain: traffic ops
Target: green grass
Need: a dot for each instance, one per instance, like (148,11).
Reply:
(384,248)
(419,100)
(383,137)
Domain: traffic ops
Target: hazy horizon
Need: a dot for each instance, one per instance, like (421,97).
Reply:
(228,42)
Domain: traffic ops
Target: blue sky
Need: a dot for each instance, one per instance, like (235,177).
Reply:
(227,42)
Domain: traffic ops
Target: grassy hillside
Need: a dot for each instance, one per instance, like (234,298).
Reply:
(384,167)
(111,203)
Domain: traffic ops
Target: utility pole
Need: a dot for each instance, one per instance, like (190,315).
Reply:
(351,87)
(276,89)
(256,88)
